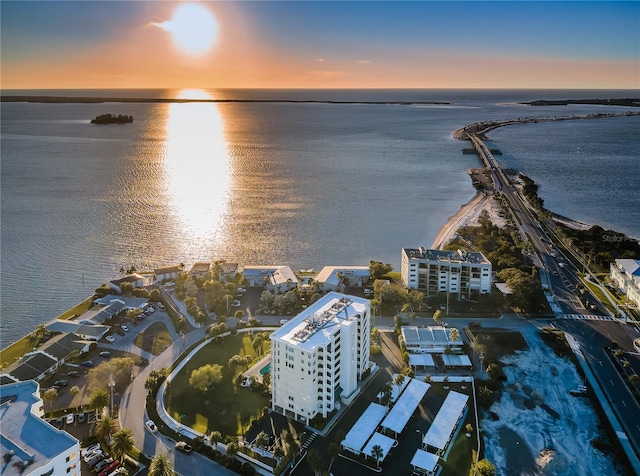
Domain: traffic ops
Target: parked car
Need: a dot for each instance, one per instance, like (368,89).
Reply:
(89,449)
(55,387)
(184,447)
(241,290)
(61,383)
(74,373)
(87,363)
(93,457)
(106,354)
(102,464)
(106,471)
(110,339)
(236,303)
(70,418)
(80,417)
(150,425)
(124,328)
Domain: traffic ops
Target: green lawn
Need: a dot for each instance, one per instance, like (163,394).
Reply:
(20,347)
(154,339)
(227,407)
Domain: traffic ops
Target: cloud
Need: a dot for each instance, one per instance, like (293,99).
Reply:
(320,60)
(328,74)
(363,61)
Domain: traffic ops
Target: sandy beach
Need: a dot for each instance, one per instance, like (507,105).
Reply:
(468,215)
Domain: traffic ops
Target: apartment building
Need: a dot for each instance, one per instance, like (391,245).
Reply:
(31,446)
(459,273)
(626,274)
(319,356)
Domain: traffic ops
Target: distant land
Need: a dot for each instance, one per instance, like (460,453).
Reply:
(631,102)
(97,100)
(111,119)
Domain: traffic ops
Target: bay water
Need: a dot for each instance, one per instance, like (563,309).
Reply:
(263,183)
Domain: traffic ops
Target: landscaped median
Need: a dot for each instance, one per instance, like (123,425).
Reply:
(184,412)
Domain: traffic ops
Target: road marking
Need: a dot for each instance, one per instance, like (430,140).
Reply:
(625,405)
(611,382)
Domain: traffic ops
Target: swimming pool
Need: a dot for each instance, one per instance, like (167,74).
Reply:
(266,369)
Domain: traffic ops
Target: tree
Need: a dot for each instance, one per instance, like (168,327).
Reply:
(154,295)
(74,391)
(262,439)
(105,429)
(122,444)
(232,448)
(377,453)
(155,378)
(215,437)
(205,377)
(454,334)
(316,460)
(377,270)
(398,380)
(161,466)
(484,468)
(49,396)
(437,317)
(257,342)
(98,400)
(239,315)
(39,332)
(117,369)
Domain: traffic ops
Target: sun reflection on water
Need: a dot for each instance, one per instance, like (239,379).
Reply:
(196,169)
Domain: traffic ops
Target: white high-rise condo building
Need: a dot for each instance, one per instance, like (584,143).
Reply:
(319,356)
(460,273)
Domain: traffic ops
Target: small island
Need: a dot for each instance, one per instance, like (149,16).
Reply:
(111,119)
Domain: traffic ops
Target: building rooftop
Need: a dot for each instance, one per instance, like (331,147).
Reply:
(168,270)
(130,278)
(227,268)
(282,275)
(329,274)
(431,335)
(458,256)
(31,366)
(32,440)
(315,325)
(200,267)
(630,266)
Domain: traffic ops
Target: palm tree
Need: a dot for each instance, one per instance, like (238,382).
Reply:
(49,396)
(39,332)
(377,453)
(161,466)
(123,443)
(215,437)
(316,461)
(105,429)
(98,400)
(73,391)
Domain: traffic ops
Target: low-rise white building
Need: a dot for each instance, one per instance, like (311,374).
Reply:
(31,446)
(319,356)
(282,280)
(430,340)
(331,278)
(460,273)
(625,273)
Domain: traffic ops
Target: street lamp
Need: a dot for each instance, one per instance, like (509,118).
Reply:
(421,437)
(111,385)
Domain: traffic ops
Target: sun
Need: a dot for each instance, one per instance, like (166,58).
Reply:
(193,28)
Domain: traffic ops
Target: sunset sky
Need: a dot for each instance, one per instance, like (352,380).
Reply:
(243,44)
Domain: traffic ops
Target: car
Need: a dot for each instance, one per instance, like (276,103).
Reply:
(105,353)
(241,290)
(150,425)
(283,321)
(102,464)
(120,470)
(184,447)
(70,418)
(59,422)
(106,471)
(74,373)
(55,387)
(61,383)
(80,417)
(94,457)
(124,328)
(90,449)
(110,339)
(160,305)
(236,303)
(151,310)
(87,363)
(555,273)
